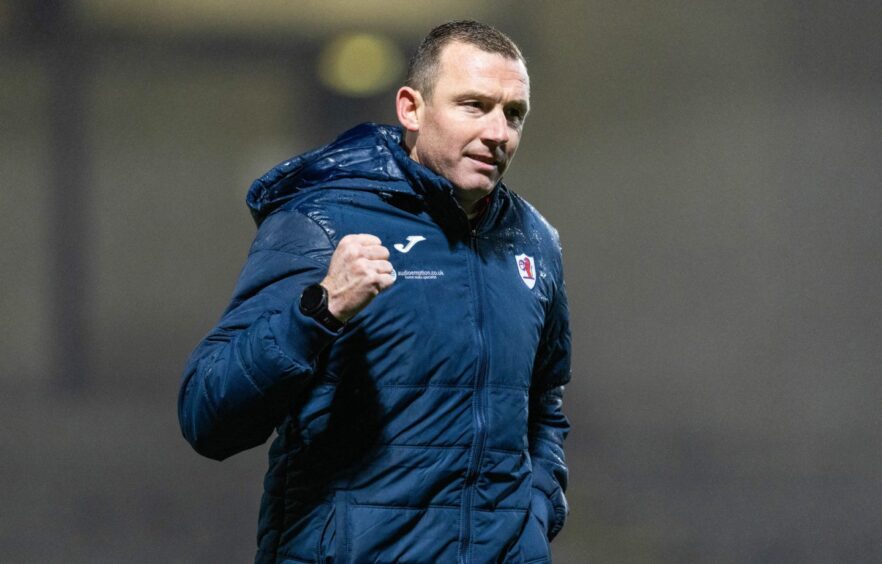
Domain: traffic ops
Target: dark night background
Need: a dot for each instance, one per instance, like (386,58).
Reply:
(713,168)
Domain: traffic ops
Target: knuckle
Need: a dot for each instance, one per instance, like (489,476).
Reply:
(365,239)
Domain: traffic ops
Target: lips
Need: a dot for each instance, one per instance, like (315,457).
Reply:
(487,160)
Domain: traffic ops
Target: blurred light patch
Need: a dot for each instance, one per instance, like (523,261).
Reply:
(360,64)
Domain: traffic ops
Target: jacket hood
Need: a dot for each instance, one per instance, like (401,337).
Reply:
(367,157)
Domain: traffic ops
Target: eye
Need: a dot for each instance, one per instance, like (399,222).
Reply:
(514,114)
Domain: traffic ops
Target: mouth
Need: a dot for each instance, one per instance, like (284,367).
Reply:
(486,161)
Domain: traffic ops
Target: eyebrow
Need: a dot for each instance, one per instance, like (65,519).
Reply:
(523,105)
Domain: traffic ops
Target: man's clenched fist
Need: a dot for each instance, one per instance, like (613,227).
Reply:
(359,270)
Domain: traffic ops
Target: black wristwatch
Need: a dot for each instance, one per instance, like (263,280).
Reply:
(314,304)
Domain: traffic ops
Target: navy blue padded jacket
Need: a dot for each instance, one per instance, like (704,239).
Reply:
(431,429)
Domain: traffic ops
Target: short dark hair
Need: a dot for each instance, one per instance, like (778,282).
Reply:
(423,68)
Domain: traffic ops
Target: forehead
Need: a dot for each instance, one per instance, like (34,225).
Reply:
(465,66)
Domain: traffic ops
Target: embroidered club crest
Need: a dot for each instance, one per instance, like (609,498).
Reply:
(527,270)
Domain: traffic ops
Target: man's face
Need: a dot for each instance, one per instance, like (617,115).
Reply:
(469,129)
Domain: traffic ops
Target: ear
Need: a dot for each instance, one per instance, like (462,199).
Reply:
(409,104)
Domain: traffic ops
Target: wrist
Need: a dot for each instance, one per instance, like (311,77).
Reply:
(334,308)
(336,301)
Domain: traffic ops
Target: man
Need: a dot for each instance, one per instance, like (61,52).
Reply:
(401,322)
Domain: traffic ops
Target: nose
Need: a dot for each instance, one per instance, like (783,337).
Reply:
(496,129)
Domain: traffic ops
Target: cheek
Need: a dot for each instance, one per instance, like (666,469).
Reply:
(512,145)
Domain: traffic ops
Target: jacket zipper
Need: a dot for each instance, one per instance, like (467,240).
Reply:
(478,404)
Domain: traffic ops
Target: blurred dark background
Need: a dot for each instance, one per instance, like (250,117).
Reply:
(713,168)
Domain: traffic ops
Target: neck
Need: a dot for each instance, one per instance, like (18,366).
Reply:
(471,207)
(476,207)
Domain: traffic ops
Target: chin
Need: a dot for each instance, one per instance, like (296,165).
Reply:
(476,191)
(482,184)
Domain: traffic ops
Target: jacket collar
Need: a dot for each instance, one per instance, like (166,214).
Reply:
(367,157)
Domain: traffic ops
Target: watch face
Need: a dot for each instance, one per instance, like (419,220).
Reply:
(312,299)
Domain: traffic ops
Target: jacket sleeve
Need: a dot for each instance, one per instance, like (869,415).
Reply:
(238,382)
(548,427)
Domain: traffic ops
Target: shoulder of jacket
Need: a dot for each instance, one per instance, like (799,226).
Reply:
(294,228)
(537,223)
